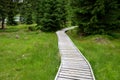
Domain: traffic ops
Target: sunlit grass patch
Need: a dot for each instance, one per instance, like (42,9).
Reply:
(28,55)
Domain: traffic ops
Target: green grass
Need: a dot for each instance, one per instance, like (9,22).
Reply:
(103,52)
(26,55)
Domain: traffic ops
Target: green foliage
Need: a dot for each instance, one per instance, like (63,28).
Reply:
(51,14)
(97,16)
(3,11)
(12,11)
(8,9)
(3,8)
(26,12)
(29,19)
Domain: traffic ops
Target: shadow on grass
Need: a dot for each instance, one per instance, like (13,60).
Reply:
(115,35)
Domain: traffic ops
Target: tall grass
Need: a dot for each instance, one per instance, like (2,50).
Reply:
(103,52)
(26,55)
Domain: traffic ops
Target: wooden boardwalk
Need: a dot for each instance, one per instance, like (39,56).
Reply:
(74,65)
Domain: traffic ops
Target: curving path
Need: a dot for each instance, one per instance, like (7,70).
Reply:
(74,65)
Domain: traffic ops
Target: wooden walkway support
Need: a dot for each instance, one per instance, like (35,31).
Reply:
(74,65)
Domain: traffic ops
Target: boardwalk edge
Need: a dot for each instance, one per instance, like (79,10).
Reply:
(64,30)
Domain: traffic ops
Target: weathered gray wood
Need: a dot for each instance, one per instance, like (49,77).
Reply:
(74,65)
(76,75)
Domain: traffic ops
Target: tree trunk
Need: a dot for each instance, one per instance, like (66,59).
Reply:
(3,22)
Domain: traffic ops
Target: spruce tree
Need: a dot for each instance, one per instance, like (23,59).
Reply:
(26,12)
(12,11)
(51,14)
(106,16)
(97,16)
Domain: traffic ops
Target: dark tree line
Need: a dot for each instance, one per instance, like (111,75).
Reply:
(97,16)
(92,16)
(50,15)
(3,11)
(8,9)
(12,11)
(26,11)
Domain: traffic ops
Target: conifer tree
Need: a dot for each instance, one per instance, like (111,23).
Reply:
(27,11)
(12,11)
(97,16)
(51,14)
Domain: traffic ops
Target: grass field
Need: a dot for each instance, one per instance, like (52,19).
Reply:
(103,52)
(28,55)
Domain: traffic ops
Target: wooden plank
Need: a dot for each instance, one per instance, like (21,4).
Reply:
(75,68)
(73,71)
(74,77)
(63,78)
(70,78)
(76,73)
(71,58)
